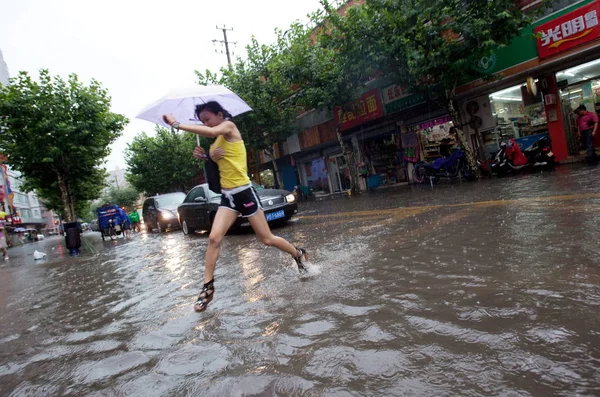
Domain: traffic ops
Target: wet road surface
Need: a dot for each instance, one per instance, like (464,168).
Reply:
(465,289)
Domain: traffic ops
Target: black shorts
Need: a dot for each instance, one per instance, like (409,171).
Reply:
(245,202)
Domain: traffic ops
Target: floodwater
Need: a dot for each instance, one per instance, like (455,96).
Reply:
(486,289)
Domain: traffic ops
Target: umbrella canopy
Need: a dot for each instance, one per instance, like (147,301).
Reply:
(181,103)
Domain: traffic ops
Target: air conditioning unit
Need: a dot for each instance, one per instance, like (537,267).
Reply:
(477,113)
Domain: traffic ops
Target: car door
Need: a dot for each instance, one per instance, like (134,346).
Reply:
(153,213)
(146,216)
(186,209)
(200,208)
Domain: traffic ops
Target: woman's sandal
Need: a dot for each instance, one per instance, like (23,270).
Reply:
(205,297)
(301,254)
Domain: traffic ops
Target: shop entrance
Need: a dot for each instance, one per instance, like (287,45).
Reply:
(315,175)
(518,115)
(579,86)
(339,174)
(382,157)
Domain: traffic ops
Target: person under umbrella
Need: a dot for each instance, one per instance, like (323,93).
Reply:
(238,195)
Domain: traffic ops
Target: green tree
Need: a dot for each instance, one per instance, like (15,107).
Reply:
(123,197)
(57,134)
(163,163)
(257,81)
(327,77)
(428,46)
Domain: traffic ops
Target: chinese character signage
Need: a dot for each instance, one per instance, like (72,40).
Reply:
(367,108)
(396,98)
(568,31)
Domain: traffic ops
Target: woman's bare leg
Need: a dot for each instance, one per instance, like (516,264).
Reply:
(221,224)
(263,231)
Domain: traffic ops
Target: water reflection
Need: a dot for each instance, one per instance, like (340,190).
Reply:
(471,289)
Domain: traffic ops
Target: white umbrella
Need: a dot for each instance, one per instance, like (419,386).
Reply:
(181,103)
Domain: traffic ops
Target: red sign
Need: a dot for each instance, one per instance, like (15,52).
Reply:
(367,108)
(568,31)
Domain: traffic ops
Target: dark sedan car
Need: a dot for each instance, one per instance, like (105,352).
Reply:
(200,206)
(159,212)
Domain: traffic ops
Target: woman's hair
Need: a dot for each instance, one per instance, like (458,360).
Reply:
(213,107)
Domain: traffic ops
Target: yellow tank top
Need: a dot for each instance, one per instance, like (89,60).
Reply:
(233,167)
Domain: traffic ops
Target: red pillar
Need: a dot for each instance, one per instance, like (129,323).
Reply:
(555,117)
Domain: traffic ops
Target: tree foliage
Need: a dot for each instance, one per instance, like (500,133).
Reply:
(57,133)
(427,46)
(123,197)
(163,163)
(256,81)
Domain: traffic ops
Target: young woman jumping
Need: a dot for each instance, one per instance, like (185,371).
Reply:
(238,195)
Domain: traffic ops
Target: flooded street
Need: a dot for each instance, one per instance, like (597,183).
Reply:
(485,289)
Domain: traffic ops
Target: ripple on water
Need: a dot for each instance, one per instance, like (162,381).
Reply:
(257,385)
(97,371)
(28,389)
(150,385)
(154,341)
(345,363)
(315,328)
(351,311)
(375,334)
(103,346)
(205,359)
(549,335)
(79,336)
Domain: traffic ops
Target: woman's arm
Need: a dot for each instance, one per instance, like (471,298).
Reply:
(225,128)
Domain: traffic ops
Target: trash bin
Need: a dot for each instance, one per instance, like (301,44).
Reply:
(73,238)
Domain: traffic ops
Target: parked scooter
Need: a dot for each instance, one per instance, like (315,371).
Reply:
(540,154)
(511,159)
(454,166)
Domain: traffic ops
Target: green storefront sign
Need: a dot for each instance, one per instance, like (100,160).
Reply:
(523,48)
(405,102)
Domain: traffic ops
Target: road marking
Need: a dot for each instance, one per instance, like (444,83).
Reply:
(410,211)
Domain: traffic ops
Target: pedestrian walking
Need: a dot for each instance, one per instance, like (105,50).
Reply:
(238,195)
(125,223)
(587,123)
(3,243)
(134,218)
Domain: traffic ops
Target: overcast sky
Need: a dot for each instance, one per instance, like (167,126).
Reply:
(137,49)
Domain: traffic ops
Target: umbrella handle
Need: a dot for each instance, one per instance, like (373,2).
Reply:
(198,139)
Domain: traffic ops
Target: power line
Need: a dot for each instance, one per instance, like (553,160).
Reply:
(224,41)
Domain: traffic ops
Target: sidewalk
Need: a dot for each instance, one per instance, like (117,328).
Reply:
(54,247)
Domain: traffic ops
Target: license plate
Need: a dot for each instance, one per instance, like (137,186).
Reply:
(271,216)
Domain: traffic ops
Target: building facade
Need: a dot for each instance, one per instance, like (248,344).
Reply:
(548,70)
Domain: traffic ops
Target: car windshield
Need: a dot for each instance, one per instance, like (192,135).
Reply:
(170,199)
(257,186)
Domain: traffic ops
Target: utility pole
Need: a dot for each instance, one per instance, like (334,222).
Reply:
(224,41)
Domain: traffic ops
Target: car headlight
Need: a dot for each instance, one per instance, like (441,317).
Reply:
(290,198)
(167,215)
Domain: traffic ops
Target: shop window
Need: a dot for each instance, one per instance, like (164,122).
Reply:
(434,138)
(382,156)
(518,114)
(316,175)
(579,85)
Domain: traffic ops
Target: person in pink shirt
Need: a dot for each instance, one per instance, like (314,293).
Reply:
(588,126)
(3,244)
